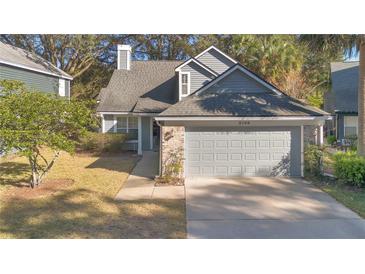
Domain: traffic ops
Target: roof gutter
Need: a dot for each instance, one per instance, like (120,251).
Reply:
(281,118)
(346,112)
(127,113)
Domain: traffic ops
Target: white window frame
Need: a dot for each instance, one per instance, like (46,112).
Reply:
(128,126)
(180,84)
(127,123)
(116,124)
(350,125)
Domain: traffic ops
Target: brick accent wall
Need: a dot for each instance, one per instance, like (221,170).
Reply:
(172,142)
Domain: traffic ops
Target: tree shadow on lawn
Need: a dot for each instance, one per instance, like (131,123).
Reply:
(113,162)
(14,174)
(82,213)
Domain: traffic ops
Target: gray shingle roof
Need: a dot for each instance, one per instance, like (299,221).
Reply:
(149,86)
(241,105)
(150,105)
(11,55)
(343,96)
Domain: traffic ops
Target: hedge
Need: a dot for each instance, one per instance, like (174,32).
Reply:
(350,168)
(101,142)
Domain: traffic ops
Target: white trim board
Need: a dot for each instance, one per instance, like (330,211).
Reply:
(302,150)
(102,124)
(36,70)
(62,87)
(151,133)
(219,51)
(127,113)
(139,151)
(198,63)
(247,72)
(281,118)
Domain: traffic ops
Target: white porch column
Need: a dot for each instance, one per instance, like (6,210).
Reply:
(320,135)
(151,133)
(115,123)
(302,150)
(102,123)
(139,135)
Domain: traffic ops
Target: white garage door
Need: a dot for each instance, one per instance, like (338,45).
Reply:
(270,151)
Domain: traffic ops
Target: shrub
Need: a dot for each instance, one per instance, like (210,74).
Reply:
(352,139)
(102,142)
(350,168)
(31,120)
(172,169)
(313,156)
(331,139)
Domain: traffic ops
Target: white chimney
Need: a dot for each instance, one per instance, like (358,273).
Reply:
(124,57)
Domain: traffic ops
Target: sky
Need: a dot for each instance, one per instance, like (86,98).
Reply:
(353,57)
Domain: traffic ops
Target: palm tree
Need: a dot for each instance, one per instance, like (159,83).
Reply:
(349,44)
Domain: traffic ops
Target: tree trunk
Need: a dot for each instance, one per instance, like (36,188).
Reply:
(34,180)
(361,102)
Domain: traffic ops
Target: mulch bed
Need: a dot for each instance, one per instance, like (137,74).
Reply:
(47,187)
(173,182)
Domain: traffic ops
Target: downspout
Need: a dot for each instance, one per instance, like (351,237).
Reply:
(160,149)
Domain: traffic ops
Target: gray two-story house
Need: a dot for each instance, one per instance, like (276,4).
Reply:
(37,73)
(224,119)
(341,101)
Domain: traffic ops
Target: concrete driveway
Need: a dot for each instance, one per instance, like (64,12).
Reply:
(266,208)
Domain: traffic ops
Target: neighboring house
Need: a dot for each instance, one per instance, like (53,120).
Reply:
(225,119)
(341,100)
(33,70)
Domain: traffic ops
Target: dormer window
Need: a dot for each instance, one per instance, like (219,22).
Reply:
(185,83)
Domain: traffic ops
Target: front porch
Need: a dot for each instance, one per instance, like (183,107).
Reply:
(143,133)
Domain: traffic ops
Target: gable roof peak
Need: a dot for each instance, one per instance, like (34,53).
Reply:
(192,59)
(219,51)
(247,72)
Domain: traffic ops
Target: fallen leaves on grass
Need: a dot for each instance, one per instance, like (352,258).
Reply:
(84,207)
(48,187)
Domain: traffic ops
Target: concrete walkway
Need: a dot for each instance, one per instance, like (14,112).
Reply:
(140,184)
(266,208)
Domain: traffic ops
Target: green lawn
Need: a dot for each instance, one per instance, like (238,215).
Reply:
(86,208)
(353,199)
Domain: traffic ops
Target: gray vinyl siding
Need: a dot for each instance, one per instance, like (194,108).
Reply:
(238,81)
(215,61)
(33,80)
(146,125)
(198,76)
(109,123)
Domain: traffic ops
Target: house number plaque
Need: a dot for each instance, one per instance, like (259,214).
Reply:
(243,123)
